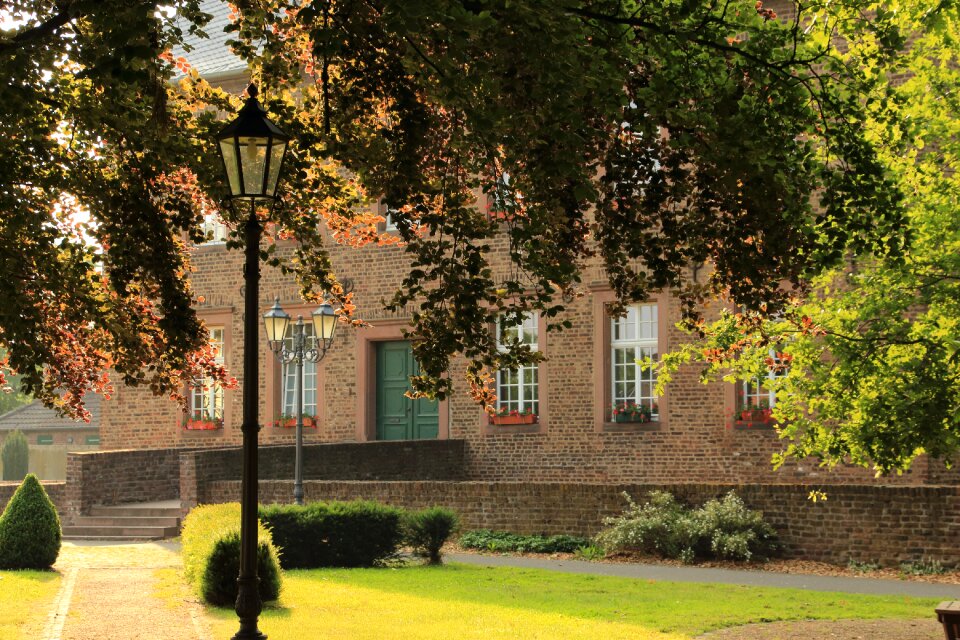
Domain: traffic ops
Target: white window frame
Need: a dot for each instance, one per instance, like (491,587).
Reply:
(644,342)
(526,379)
(208,393)
(754,389)
(288,378)
(214,229)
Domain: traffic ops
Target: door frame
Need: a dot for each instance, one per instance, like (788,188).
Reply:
(367,337)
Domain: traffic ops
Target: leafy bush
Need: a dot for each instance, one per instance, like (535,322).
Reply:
(210,545)
(334,534)
(924,567)
(662,526)
(426,531)
(862,567)
(503,541)
(15,455)
(29,528)
(591,552)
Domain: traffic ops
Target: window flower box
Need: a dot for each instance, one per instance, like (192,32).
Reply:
(632,412)
(290,422)
(203,424)
(514,417)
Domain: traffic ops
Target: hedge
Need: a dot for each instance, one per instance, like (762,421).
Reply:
(334,534)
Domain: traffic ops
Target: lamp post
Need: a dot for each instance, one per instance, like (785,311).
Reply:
(252,149)
(275,321)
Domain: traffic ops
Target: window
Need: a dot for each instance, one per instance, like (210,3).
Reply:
(519,390)
(214,230)
(92,440)
(44,439)
(759,395)
(206,397)
(389,223)
(634,336)
(503,199)
(289,378)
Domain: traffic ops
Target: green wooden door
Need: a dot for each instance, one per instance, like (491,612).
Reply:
(399,417)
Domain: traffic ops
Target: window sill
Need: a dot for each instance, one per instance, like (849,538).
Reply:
(514,429)
(631,427)
(752,425)
(202,433)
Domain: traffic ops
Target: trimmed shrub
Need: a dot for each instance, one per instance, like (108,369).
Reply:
(15,455)
(426,531)
(503,541)
(210,546)
(334,534)
(723,528)
(29,528)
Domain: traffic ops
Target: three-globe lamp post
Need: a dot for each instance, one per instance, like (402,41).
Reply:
(276,321)
(252,149)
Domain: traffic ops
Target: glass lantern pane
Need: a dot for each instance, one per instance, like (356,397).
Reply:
(253,152)
(230,164)
(276,159)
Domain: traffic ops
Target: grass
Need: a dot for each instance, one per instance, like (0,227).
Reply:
(460,601)
(25,600)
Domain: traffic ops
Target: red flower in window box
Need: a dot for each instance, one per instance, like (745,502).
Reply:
(632,412)
(512,416)
(757,413)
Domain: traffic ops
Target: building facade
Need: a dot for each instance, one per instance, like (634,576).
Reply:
(575,417)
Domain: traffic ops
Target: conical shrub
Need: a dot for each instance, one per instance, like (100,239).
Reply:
(15,456)
(29,528)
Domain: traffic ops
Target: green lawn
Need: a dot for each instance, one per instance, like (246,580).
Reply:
(460,601)
(25,600)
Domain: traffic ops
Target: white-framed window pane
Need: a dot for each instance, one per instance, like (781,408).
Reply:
(206,397)
(519,390)
(214,230)
(289,378)
(759,393)
(634,336)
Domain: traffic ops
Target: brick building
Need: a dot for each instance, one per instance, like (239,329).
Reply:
(356,392)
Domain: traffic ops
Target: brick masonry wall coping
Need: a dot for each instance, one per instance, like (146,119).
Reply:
(867,523)
(406,460)
(54,489)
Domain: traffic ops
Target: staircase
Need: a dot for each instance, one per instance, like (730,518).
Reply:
(127,522)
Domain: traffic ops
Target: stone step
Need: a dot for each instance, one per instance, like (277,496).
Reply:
(126,521)
(134,511)
(71,531)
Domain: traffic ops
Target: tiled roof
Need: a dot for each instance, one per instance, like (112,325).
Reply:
(211,55)
(35,416)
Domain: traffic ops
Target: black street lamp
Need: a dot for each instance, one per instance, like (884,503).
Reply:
(275,321)
(252,149)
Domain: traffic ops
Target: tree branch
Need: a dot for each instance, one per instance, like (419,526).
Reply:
(40,32)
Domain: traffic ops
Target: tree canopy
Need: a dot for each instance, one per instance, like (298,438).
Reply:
(871,354)
(653,137)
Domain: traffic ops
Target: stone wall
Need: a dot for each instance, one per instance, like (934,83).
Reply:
(887,524)
(117,477)
(55,490)
(408,460)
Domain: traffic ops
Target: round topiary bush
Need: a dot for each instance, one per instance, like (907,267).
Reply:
(218,583)
(29,528)
(15,456)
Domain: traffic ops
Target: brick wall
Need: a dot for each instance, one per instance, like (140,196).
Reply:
(117,477)
(56,491)
(424,460)
(887,524)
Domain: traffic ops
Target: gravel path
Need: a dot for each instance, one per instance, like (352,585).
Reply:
(115,595)
(834,630)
